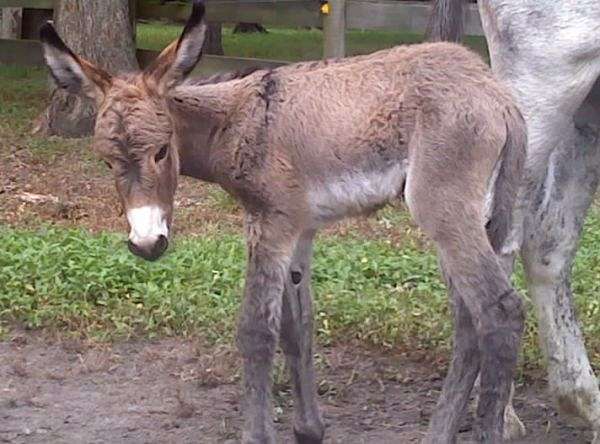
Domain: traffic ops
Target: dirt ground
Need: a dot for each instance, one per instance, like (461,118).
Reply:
(178,391)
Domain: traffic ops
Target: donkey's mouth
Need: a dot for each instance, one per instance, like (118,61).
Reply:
(150,251)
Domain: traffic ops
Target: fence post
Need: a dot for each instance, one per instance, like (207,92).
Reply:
(334,29)
(12,20)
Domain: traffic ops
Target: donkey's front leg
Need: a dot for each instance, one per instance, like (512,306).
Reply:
(258,330)
(296,342)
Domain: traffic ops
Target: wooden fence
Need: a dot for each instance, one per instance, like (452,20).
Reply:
(335,18)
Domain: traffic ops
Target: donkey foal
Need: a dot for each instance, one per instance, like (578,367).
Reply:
(308,144)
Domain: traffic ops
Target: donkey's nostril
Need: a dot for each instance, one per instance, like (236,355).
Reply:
(160,246)
(134,248)
(162,242)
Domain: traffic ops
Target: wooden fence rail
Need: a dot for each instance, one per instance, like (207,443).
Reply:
(408,16)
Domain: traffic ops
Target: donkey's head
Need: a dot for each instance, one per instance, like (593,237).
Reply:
(133,128)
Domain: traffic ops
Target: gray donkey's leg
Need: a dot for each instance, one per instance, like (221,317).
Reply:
(550,78)
(464,368)
(269,256)
(557,208)
(296,342)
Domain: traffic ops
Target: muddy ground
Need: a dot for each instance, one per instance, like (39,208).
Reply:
(178,391)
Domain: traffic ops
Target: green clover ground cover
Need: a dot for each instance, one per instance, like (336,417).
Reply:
(366,290)
(73,280)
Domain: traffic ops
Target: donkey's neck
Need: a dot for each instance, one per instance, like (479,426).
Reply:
(199,113)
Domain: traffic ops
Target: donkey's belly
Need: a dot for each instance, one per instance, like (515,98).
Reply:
(354,193)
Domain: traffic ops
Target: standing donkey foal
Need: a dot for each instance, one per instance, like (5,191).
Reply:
(308,144)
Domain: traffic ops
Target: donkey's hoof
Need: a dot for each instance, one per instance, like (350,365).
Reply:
(513,427)
(309,436)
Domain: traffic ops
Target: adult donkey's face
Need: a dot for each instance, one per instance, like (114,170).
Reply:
(133,129)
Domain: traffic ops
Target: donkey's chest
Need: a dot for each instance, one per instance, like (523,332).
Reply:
(356,192)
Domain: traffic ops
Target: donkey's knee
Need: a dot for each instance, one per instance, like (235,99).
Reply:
(258,331)
(260,318)
(256,339)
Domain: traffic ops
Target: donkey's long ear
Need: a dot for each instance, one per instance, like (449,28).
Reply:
(71,72)
(179,59)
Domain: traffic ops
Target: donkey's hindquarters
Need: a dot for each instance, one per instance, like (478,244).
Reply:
(488,312)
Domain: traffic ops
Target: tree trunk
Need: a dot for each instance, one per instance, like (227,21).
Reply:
(214,43)
(101,32)
(11,23)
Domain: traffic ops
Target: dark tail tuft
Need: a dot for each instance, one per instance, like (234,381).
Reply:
(510,178)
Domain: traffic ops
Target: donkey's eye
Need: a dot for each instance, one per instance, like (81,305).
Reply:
(108,165)
(161,154)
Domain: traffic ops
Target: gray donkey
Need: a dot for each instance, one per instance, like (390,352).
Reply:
(308,144)
(548,53)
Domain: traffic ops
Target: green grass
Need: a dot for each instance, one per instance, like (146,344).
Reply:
(288,44)
(73,280)
(23,96)
(23,91)
(364,289)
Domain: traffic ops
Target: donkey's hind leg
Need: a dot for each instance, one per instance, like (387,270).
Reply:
(497,315)
(452,215)
(296,342)
(461,375)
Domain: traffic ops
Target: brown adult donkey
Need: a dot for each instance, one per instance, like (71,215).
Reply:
(308,144)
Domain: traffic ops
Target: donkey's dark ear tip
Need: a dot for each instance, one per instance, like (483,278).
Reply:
(196,18)
(198,11)
(47,32)
(49,36)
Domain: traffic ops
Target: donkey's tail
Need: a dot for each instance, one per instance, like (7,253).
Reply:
(503,227)
(445,21)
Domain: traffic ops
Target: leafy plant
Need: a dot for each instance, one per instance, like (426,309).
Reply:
(365,290)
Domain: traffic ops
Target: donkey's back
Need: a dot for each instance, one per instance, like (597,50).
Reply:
(347,96)
(353,131)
